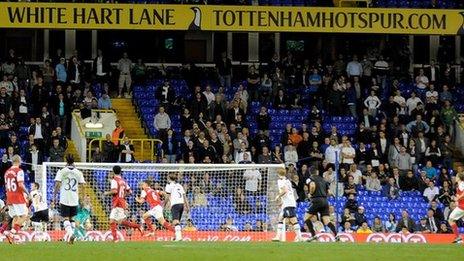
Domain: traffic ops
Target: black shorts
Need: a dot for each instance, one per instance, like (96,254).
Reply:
(68,211)
(289,212)
(319,205)
(40,216)
(176,211)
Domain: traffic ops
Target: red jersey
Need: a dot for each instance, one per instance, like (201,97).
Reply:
(14,194)
(121,187)
(459,192)
(151,196)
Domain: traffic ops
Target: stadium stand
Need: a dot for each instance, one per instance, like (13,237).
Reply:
(288,110)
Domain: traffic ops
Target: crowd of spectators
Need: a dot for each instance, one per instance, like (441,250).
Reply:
(403,140)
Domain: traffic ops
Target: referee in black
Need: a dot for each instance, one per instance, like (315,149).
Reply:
(318,189)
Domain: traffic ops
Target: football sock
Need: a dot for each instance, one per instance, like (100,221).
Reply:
(37,226)
(332,227)
(455,229)
(297,229)
(3,227)
(113,227)
(280,226)
(149,224)
(69,230)
(178,232)
(129,224)
(168,226)
(310,227)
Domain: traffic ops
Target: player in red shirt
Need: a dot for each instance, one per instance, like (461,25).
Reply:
(458,212)
(153,198)
(16,194)
(119,190)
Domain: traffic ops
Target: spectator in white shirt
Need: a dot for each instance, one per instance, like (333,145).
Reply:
(356,173)
(373,182)
(412,102)
(162,122)
(354,68)
(252,179)
(290,155)
(422,81)
(398,98)
(210,97)
(372,103)
(332,152)
(431,191)
(348,153)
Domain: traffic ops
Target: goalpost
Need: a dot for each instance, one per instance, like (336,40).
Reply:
(227,201)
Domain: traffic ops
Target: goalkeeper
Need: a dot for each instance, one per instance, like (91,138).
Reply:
(82,219)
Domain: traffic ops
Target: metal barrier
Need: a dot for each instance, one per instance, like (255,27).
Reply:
(152,144)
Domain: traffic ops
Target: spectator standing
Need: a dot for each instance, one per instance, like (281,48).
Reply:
(165,94)
(162,122)
(372,103)
(61,72)
(126,151)
(224,69)
(118,133)
(332,153)
(125,80)
(56,152)
(252,179)
(101,68)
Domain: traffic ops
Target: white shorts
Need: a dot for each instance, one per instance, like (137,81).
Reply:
(16,210)
(117,214)
(156,212)
(456,214)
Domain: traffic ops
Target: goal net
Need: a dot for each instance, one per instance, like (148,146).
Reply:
(227,201)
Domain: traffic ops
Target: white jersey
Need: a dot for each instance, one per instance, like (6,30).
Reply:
(70,178)
(2,204)
(37,201)
(288,199)
(176,192)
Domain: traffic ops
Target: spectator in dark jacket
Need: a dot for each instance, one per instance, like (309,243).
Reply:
(165,94)
(409,182)
(391,190)
(56,152)
(170,146)
(360,216)
(34,157)
(263,120)
(405,223)
(126,151)
(109,150)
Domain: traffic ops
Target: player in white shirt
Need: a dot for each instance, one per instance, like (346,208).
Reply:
(288,207)
(67,181)
(176,196)
(40,215)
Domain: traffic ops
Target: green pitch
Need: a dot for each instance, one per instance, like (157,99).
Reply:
(242,251)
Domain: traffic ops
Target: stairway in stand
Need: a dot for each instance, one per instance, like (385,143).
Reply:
(132,126)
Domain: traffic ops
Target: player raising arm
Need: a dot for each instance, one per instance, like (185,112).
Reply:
(69,181)
(288,207)
(178,200)
(40,216)
(458,212)
(119,190)
(16,194)
(153,197)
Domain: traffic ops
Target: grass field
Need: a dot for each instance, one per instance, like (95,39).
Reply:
(228,251)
